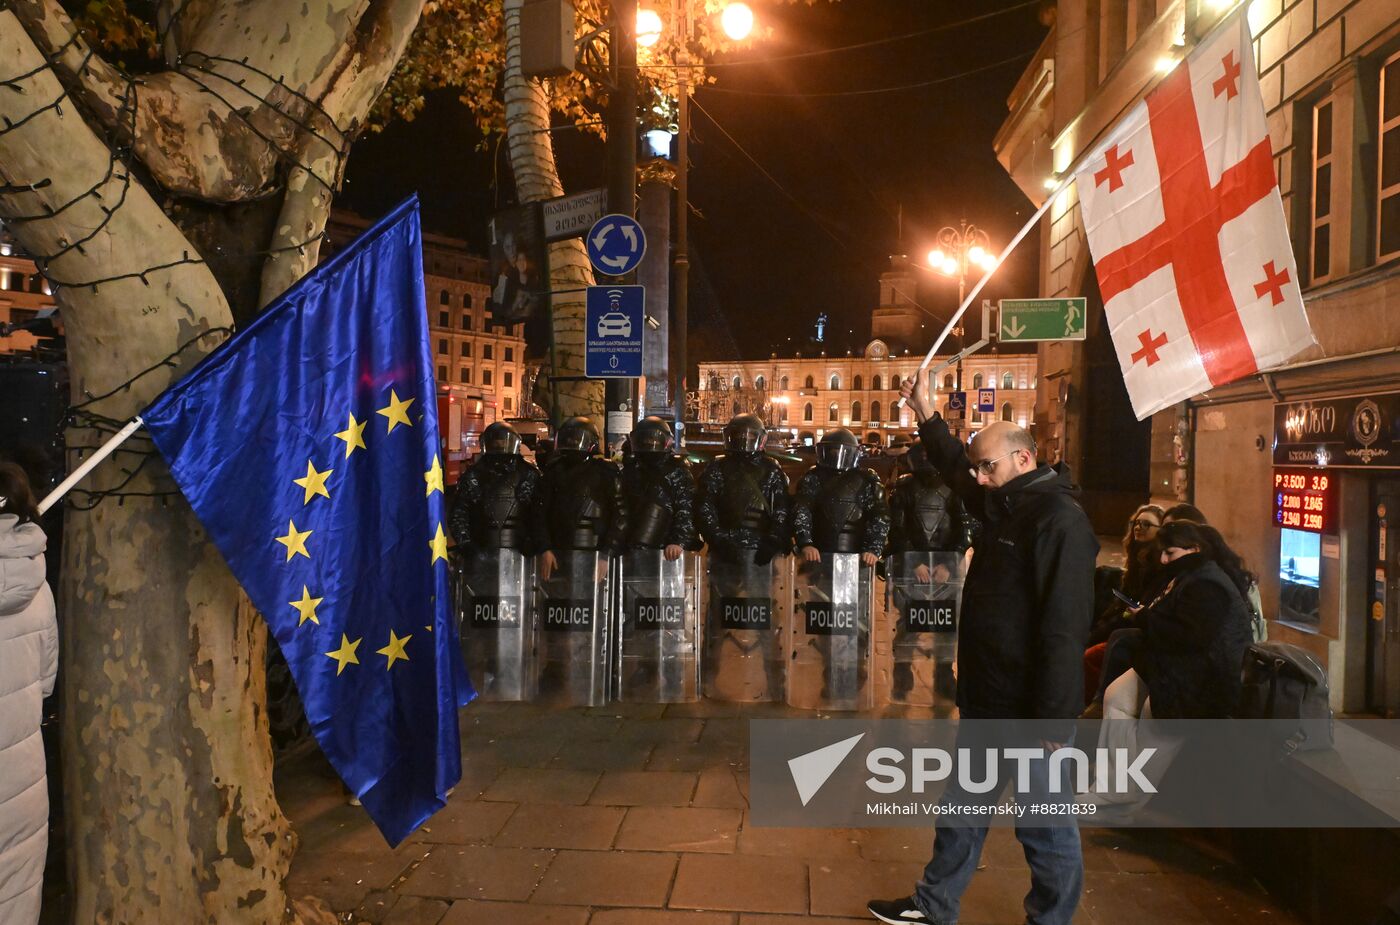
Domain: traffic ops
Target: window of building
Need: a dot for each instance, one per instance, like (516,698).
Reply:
(486,377)
(736,383)
(875,383)
(1006,411)
(835,382)
(510,354)
(444,319)
(465,374)
(783,383)
(977,417)
(714,382)
(855,411)
(807,412)
(1388,172)
(977,381)
(466,321)
(466,348)
(507,402)
(444,297)
(1007,382)
(1320,218)
(810,383)
(1299,561)
(875,411)
(506,378)
(857,384)
(833,414)
(486,351)
(442,374)
(894,412)
(782,414)
(442,345)
(759,382)
(466,300)
(948,381)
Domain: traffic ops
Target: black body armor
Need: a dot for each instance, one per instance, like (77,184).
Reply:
(660,496)
(493,506)
(744,505)
(580,503)
(926,515)
(841,511)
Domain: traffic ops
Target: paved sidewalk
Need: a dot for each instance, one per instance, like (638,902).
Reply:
(637,815)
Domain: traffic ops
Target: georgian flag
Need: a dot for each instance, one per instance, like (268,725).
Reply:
(1187,231)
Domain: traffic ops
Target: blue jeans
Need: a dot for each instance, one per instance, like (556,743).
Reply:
(1051,843)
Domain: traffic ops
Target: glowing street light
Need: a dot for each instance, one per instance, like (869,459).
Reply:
(648,27)
(737,21)
(936,258)
(957,251)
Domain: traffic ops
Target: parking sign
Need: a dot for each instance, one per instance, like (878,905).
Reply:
(615,318)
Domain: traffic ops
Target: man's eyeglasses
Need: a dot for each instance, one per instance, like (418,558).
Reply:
(986,466)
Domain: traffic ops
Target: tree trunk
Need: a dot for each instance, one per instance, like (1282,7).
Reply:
(167,761)
(537,178)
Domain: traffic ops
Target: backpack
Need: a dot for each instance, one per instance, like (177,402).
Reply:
(1286,685)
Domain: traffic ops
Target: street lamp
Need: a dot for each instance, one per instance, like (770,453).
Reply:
(955,252)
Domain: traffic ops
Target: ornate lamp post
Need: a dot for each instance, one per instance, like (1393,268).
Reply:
(957,251)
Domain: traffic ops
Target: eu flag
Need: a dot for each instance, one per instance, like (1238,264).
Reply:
(308,447)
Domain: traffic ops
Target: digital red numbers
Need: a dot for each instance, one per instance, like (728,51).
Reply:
(1302,500)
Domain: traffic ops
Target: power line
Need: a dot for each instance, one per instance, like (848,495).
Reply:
(710,88)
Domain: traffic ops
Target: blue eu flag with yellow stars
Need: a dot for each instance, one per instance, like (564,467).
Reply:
(308,447)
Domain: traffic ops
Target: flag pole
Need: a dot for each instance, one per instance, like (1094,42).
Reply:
(90,463)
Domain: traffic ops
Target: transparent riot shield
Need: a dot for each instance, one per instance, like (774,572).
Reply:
(747,607)
(494,592)
(923,592)
(658,622)
(830,666)
(572,616)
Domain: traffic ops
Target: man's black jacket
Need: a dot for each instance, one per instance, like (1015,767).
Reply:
(1029,595)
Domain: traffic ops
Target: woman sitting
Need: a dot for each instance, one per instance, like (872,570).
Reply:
(1187,663)
(1140,570)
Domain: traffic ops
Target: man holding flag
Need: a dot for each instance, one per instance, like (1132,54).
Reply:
(308,447)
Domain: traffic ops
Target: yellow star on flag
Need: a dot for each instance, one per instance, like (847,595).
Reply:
(396,411)
(353,435)
(307,606)
(314,483)
(345,655)
(295,541)
(394,650)
(438,544)
(434,476)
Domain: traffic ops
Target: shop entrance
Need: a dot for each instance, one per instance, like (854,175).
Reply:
(1383,603)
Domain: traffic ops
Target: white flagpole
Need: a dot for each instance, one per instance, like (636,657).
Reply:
(90,463)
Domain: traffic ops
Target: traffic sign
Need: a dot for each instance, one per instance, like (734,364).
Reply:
(572,216)
(957,404)
(1024,320)
(614,319)
(986,401)
(616,244)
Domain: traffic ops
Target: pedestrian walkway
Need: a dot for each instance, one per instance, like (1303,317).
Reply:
(637,815)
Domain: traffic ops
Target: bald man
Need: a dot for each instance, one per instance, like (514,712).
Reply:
(1026,607)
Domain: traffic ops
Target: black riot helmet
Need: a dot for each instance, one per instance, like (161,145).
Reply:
(918,458)
(577,435)
(745,433)
(838,449)
(652,435)
(500,439)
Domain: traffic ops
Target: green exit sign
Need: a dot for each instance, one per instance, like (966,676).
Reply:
(1042,319)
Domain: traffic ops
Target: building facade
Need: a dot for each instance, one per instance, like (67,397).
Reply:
(23,294)
(1330,77)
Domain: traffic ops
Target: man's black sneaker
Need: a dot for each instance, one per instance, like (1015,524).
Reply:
(896,911)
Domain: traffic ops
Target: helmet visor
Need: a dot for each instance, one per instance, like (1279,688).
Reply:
(576,440)
(502,442)
(837,455)
(744,440)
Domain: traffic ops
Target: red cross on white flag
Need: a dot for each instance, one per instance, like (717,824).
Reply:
(1187,231)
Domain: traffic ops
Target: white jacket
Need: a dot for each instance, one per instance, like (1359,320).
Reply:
(28,664)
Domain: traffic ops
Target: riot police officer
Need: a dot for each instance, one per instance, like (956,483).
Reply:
(580,504)
(926,517)
(743,514)
(659,492)
(839,508)
(493,506)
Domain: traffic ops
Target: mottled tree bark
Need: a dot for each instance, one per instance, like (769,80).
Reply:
(167,761)
(537,178)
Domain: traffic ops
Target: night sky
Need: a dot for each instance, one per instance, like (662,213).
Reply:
(768,255)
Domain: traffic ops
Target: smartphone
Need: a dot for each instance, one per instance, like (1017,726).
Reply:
(1125,599)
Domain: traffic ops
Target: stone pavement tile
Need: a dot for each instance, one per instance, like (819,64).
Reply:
(478,772)
(807,844)
(575,726)
(659,917)
(542,785)
(740,883)
(602,756)
(730,733)
(465,821)
(842,886)
(545,825)
(691,756)
(415,910)
(493,720)
(644,788)
(662,731)
(719,789)
(478,872)
(517,751)
(679,828)
(631,711)
(480,912)
(1150,851)
(1229,895)
(708,708)
(375,907)
(344,878)
(607,878)
(749,918)
(897,843)
(1148,900)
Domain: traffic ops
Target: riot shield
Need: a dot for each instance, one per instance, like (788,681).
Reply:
(923,592)
(658,620)
(830,665)
(494,592)
(572,617)
(747,607)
